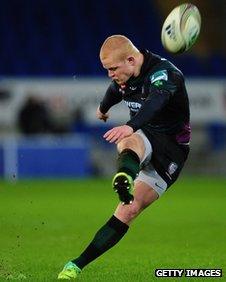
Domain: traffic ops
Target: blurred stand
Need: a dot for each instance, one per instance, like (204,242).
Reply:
(61,136)
(34,118)
(78,120)
(208,150)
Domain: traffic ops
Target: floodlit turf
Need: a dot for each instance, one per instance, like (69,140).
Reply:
(43,224)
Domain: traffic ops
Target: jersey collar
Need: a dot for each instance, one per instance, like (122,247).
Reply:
(150,60)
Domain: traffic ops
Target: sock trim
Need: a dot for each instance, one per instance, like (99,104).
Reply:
(132,153)
(116,224)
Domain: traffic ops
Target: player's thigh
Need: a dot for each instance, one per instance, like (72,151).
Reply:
(137,142)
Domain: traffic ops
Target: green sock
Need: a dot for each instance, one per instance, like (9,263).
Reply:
(105,238)
(128,162)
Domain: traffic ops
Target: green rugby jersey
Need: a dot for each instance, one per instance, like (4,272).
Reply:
(157,99)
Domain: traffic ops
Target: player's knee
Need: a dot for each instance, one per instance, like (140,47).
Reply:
(126,143)
(133,142)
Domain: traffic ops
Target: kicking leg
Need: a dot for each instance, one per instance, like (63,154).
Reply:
(131,152)
(113,231)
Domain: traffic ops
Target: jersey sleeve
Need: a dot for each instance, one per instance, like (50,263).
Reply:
(112,97)
(158,89)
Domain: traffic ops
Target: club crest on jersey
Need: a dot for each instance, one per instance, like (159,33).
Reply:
(172,168)
(158,76)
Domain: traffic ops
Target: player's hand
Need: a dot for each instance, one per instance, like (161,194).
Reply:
(101,116)
(116,134)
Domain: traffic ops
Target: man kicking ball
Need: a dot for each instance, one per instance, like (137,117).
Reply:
(153,145)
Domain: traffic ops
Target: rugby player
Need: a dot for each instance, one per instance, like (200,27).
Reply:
(153,145)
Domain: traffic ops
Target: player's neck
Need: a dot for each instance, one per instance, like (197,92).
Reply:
(139,63)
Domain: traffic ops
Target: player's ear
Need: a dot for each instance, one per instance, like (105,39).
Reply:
(131,60)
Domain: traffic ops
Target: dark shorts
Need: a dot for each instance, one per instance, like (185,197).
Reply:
(168,156)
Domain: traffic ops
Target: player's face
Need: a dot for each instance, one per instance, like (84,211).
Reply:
(119,71)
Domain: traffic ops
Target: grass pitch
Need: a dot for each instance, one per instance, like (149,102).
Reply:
(43,224)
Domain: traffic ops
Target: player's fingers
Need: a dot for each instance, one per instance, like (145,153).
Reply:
(110,136)
(102,118)
(115,137)
(108,133)
(106,116)
(115,133)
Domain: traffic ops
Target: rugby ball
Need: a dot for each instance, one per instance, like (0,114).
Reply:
(181,28)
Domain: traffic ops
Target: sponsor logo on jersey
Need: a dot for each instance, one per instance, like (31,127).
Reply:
(132,88)
(133,106)
(159,75)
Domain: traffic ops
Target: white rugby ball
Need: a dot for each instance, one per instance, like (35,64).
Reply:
(181,28)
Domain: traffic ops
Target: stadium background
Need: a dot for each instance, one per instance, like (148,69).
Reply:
(49,58)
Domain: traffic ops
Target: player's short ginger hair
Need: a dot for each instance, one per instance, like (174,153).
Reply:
(119,47)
